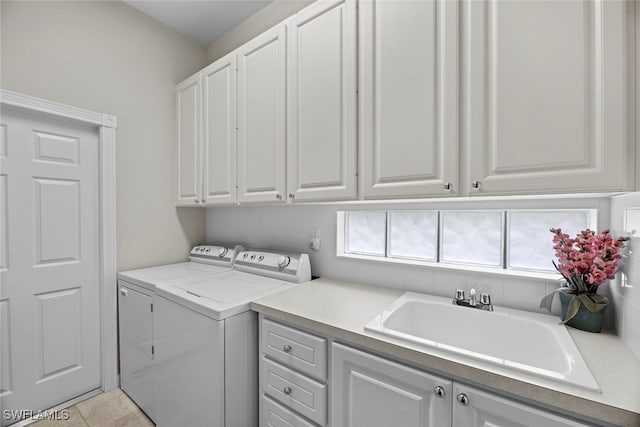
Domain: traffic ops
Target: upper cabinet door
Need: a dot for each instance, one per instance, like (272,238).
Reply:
(219,131)
(547,96)
(261,117)
(321,152)
(189,164)
(408,98)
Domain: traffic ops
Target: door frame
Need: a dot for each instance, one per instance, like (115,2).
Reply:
(105,126)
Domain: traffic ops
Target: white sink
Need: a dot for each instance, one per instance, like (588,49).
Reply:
(514,339)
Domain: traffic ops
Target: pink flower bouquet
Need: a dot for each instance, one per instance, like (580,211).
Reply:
(587,260)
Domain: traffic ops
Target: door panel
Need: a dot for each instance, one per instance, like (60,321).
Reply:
(486,410)
(50,278)
(546,96)
(261,118)
(368,391)
(322,102)
(57,222)
(189,159)
(220,129)
(59,336)
(408,98)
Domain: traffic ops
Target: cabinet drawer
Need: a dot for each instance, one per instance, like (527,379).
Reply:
(276,415)
(302,351)
(302,394)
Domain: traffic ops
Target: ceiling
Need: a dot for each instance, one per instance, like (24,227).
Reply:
(201,20)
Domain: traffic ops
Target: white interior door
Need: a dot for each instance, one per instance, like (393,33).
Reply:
(49,261)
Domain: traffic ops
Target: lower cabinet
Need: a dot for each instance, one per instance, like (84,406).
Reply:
(366,390)
(293,377)
(369,391)
(477,408)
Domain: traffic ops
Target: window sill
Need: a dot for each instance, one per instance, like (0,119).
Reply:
(533,275)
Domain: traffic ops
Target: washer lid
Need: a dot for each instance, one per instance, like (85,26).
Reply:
(222,295)
(151,277)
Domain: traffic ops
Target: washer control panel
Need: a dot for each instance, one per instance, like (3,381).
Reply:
(213,254)
(287,266)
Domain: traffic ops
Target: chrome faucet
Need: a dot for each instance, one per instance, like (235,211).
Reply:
(483,304)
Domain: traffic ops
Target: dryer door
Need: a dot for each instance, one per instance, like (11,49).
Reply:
(136,347)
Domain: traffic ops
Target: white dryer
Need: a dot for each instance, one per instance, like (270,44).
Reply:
(135,314)
(207,338)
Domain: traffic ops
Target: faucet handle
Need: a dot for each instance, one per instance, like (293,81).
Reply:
(459,295)
(485,299)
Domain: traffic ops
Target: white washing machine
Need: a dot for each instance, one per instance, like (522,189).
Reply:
(135,314)
(206,340)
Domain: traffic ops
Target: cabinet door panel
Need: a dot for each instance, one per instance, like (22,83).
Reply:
(546,96)
(322,102)
(219,138)
(189,162)
(408,97)
(487,410)
(368,391)
(261,117)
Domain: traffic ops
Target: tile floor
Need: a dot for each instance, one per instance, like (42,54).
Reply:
(110,409)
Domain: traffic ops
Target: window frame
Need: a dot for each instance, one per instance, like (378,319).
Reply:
(501,270)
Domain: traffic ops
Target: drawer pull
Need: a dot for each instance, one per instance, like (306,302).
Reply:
(287,391)
(287,348)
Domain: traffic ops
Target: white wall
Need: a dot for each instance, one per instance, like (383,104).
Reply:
(107,57)
(270,15)
(289,228)
(625,290)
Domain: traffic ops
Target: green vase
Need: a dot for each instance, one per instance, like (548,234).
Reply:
(585,319)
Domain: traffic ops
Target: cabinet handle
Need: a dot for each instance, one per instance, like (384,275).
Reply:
(292,196)
(197,200)
(287,348)
(475,185)
(124,292)
(463,399)
(448,186)
(287,390)
(203,201)
(279,196)
(439,391)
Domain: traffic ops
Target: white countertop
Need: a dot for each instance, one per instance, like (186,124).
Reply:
(341,310)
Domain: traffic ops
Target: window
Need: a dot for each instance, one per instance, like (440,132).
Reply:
(365,233)
(528,237)
(413,235)
(512,239)
(472,237)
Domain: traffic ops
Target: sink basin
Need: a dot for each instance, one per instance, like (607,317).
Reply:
(514,339)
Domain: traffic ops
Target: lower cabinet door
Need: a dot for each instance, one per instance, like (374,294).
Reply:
(477,408)
(276,415)
(368,391)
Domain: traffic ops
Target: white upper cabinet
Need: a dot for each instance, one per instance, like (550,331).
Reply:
(189,165)
(261,117)
(546,96)
(408,77)
(321,152)
(219,131)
